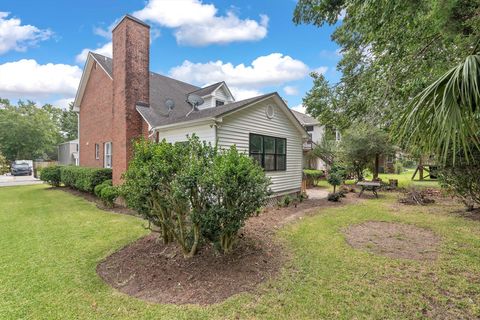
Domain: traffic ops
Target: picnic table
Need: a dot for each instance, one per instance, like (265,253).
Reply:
(369,186)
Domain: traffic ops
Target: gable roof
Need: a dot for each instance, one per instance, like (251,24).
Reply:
(304,119)
(156,114)
(202,92)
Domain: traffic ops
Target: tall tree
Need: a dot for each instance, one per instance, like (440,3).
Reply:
(391,50)
(29,132)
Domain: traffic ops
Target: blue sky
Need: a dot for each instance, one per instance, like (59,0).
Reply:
(252,45)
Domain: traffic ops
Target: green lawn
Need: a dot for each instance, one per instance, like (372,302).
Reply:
(404,180)
(51,242)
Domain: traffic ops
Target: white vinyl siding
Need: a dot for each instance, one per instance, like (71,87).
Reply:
(206,132)
(236,128)
(220,94)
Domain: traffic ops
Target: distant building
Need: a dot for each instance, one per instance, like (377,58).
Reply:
(315,132)
(68,153)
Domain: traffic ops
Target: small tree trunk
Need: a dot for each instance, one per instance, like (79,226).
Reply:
(420,168)
(377,167)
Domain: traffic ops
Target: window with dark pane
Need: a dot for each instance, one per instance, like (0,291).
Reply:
(269,152)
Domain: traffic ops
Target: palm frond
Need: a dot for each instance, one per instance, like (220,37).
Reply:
(444,118)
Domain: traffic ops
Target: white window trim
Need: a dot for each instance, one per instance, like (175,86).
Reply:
(106,155)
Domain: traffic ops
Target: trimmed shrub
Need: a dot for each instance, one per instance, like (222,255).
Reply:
(51,175)
(83,178)
(108,194)
(193,192)
(334,196)
(98,188)
(313,176)
(335,179)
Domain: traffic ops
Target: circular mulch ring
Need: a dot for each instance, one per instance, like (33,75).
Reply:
(395,240)
(151,271)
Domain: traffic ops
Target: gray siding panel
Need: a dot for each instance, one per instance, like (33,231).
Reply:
(236,128)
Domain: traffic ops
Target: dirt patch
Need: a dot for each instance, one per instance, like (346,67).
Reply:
(149,270)
(395,240)
(92,198)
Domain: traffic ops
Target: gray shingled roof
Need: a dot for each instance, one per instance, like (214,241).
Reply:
(156,118)
(304,119)
(208,89)
(163,88)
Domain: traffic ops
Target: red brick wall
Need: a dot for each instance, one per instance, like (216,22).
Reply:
(131,73)
(96,117)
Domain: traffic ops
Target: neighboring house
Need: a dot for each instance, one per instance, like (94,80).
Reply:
(68,153)
(315,135)
(119,99)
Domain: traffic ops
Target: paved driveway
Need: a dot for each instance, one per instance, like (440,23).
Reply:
(8,180)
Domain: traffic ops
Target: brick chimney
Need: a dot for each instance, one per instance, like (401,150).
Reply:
(131,73)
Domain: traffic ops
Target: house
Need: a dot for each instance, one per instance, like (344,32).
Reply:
(119,100)
(68,153)
(315,135)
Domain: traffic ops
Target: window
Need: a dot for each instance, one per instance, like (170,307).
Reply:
(107,162)
(309,128)
(269,152)
(97,151)
(219,103)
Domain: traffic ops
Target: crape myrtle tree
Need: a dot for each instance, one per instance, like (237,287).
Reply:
(361,148)
(194,192)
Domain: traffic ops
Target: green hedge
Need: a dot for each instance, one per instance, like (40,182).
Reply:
(83,178)
(51,175)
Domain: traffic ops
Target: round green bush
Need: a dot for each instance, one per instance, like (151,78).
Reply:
(51,175)
(108,195)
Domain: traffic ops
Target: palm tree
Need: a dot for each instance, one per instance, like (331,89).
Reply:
(444,119)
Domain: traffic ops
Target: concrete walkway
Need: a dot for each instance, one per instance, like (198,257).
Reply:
(8,180)
(317,193)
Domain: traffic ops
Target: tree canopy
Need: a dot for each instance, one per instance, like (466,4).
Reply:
(391,51)
(28,131)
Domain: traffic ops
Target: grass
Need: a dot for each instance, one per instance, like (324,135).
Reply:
(404,180)
(51,242)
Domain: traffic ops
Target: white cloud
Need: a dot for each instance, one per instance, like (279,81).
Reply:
(223,30)
(26,79)
(300,108)
(63,103)
(105,50)
(15,36)
(198,24)
(241,94)
(273,69)
(290,90)
(245,81)
(320,70)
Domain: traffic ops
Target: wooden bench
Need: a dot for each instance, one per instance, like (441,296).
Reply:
(369,186)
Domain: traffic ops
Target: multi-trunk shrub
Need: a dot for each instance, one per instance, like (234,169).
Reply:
(80,178)
(193,192)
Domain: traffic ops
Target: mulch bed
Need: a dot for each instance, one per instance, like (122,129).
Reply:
(394,240)
(149,270)
(92,198)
